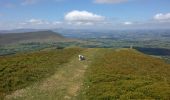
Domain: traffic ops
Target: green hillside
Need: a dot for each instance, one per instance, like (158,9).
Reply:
(39,36)
(127,74)
(106,74)
(21,70)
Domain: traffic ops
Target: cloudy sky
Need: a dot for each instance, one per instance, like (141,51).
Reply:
(103,14)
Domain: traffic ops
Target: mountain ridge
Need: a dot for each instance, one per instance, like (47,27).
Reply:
(38,36)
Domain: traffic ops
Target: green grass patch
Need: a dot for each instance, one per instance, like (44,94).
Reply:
(20,70)
(126,74)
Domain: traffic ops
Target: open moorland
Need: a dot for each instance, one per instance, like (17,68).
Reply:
(106,74)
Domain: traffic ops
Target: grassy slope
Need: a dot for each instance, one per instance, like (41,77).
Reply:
(127,74)
(110,74)
(20,70)
(64,84)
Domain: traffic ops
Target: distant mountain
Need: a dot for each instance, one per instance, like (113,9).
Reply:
(20,31)
(39,36)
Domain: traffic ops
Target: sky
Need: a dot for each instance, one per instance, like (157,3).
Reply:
(96,14)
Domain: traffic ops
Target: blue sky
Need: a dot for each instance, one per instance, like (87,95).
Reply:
(107,14)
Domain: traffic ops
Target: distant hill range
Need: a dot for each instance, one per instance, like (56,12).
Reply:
(20,31)
(38,36)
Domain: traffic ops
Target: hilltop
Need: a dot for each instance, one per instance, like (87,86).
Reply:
(127,74)
(38,36)
(106,74)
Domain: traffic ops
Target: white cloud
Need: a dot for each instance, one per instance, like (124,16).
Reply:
(83,18)
(57,22)
(39,23)
(127,23)
(162,17)
(29,2)
(35,22)
(23,23)
(109,1)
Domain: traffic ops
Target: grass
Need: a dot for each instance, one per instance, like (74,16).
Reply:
(21,70)
(64,84)
(109,74)
(126,74)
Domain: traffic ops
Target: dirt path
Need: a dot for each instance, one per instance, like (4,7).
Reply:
(63,85)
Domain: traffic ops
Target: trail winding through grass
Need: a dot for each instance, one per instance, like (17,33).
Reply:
(65,84)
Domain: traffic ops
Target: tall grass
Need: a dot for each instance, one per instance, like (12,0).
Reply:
(20,70)
(127,74)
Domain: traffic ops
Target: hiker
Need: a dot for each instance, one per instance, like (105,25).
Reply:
(81,57)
